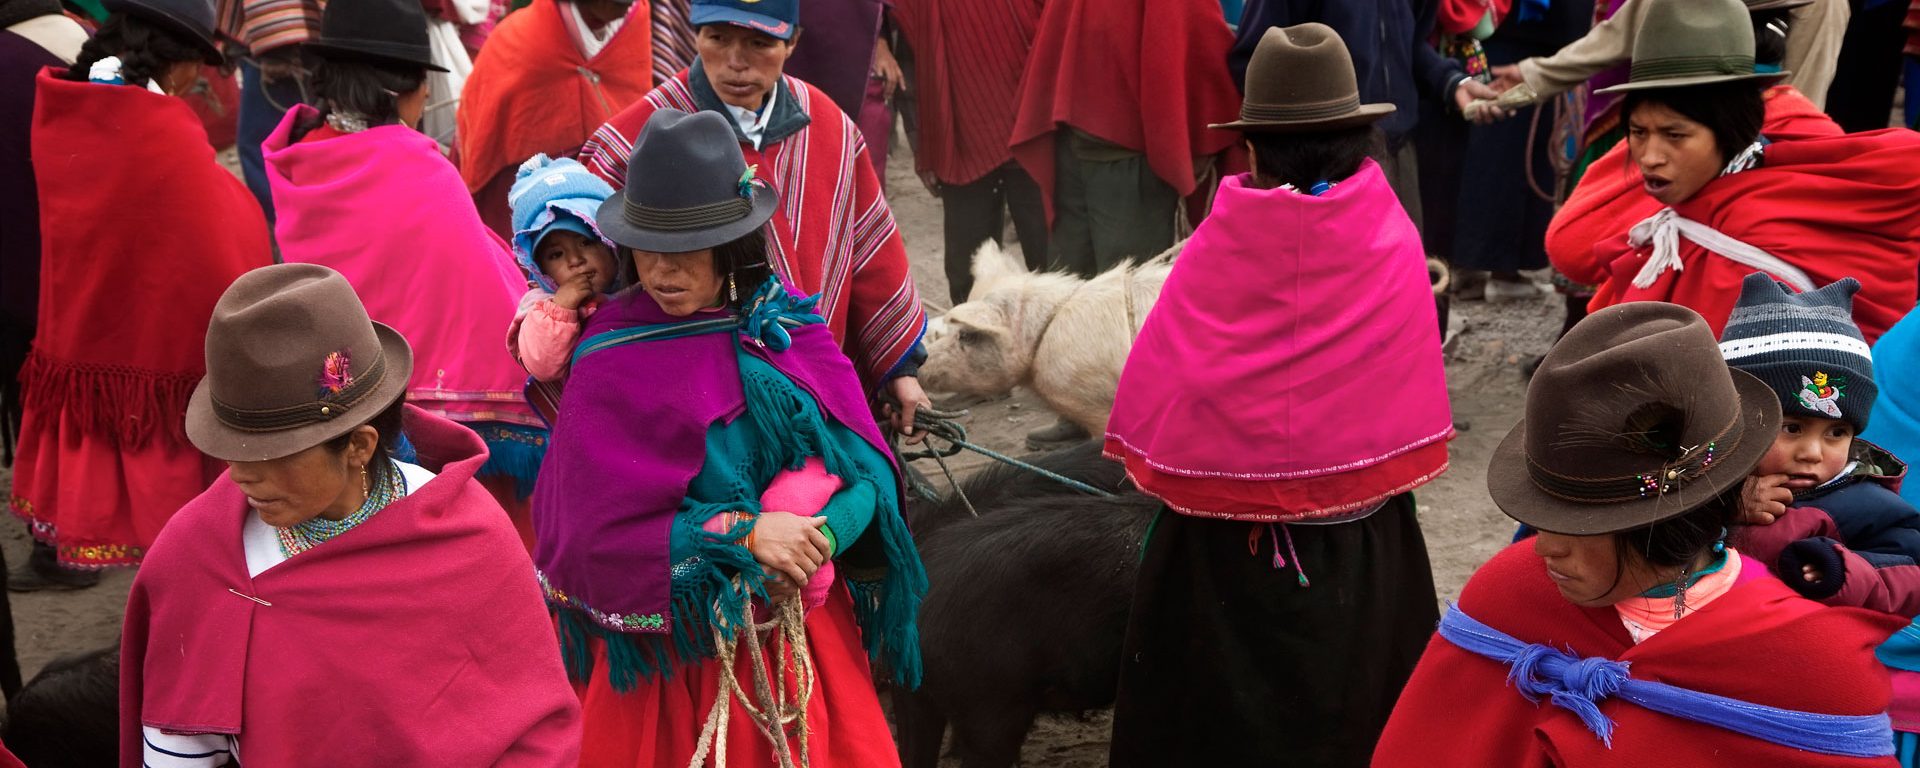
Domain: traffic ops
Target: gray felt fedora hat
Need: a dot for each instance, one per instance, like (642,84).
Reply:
(688,187)
(1693,42)
(292,362)
(1301,79)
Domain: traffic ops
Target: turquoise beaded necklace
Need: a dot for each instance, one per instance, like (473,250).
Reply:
(301,537)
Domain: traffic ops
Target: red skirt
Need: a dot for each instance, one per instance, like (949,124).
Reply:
(99,504)
(659,722)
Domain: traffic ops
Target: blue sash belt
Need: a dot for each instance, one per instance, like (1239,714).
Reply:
(1578,685)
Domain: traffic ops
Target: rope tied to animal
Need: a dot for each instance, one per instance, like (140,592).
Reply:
(1579,684)
(778,703)
(943,425)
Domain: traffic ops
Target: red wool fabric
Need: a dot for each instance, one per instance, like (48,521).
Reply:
(418,637)
(1758,643)
(533,91)
(659,722)
(1098,67)
(833,234)
(1833,206)
(141,231)
(1458,17)
(969,58)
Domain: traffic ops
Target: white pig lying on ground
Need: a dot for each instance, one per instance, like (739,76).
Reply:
(1062,335)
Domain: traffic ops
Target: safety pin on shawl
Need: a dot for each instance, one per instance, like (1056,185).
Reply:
(250,597)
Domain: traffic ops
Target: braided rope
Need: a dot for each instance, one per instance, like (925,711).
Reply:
(775,714)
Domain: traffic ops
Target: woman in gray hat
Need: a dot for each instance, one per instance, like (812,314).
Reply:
(323,602)
(140,231)
(719,501)
(1627,632)
(1808,211)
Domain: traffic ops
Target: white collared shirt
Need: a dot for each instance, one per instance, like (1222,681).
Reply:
(753,125)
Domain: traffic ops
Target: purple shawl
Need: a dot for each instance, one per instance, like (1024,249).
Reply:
(838,54)
(1600,105)
(631,435)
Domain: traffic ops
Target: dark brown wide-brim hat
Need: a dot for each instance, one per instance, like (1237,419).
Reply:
(1300,79)
(292,362)
(688,187)
(1695,42)
(1632,419)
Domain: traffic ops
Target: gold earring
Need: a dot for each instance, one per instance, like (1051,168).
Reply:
(366,485)
(733,291)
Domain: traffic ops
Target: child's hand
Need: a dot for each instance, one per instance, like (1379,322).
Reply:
(1810,573)
(1763,499)
(575,291)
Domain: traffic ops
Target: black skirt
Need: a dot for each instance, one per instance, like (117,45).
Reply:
(1230,661)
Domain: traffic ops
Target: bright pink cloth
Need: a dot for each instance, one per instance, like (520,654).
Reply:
(804,491)
(386,210)
(419,637)
(543,334)
(1905,709)
(1292,365)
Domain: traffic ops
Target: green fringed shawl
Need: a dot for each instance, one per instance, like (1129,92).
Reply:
(782,426)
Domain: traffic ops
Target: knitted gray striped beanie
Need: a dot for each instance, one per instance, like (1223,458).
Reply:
(1805,346)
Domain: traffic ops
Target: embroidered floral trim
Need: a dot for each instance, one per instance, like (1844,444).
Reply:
(629,622)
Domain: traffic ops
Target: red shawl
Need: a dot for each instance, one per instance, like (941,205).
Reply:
(833,235)
(1834,206)
(1458,17)
(1096,66)
(1759,643)
(141,231)
(968,61)
(417,638)
(532,90)
(1609,199)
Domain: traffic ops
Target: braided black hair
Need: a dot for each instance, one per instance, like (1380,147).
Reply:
(145,49)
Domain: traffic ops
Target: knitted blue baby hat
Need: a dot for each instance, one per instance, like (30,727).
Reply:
(1805,346)
(549,194)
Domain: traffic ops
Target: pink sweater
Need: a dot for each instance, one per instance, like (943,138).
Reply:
(543,334)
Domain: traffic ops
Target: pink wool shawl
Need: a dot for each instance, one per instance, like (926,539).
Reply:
(1295,340)
(418,637)
(384,209)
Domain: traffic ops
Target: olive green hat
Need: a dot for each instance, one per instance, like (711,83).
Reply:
(1693,42)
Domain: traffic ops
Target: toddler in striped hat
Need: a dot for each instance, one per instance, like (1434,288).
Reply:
(1824,502)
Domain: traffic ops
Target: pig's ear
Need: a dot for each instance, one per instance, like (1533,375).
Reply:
(975,324)
(990,264)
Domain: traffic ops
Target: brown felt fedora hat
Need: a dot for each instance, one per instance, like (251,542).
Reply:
(1695,42)
(292,362)
(1633,418)
(1301,79)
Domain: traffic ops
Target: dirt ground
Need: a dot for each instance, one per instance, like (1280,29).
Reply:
(1462,526)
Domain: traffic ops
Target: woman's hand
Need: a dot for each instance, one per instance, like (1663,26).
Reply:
(886,68)
(790,548)
(1763,499)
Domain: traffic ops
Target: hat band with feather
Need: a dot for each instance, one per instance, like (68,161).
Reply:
(327,408)
(1693,463)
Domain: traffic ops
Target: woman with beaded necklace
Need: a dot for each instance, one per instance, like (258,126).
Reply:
(358,189)
(365,561)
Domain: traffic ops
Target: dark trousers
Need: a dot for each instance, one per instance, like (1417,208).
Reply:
(261,107)
(1107,206)
(977,212)
(1868,72)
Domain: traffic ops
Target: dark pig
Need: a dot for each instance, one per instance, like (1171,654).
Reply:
(1026,608)
(69,714)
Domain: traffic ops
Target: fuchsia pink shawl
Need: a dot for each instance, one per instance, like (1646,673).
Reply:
(416,638)
(1291,370)
(385,209)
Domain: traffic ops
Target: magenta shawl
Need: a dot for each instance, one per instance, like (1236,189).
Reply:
(1292,353)
(417,638)
(385,209)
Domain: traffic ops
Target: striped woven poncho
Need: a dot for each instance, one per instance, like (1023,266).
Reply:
(833,235)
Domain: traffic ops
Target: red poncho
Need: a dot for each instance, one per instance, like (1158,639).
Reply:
(418,637)
(1831,205)
(1759,643)
(968,59)
(1147,75)
(833,234)
(141,231)
(533,91)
